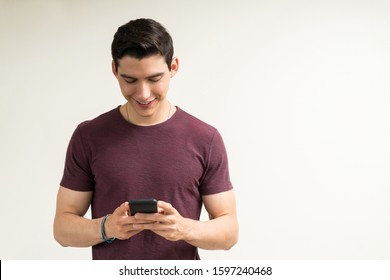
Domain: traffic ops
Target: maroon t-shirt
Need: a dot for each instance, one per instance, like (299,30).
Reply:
(177,161)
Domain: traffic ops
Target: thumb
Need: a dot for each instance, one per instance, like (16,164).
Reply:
(122,210)
(166,207)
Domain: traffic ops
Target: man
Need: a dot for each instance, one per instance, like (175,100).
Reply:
(146,148)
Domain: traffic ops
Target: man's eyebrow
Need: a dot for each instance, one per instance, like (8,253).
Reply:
(149,77)
(127,76)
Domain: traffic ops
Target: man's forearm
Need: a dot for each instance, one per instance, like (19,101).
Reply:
(215,234)
(73,230)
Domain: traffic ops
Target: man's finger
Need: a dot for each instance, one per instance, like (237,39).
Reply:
(166,207)
(123,209)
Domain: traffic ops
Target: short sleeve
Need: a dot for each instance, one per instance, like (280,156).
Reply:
(216,177)
(77,172)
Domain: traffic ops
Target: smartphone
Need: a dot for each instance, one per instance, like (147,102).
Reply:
(143,206)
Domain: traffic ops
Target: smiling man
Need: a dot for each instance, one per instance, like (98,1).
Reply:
(145,148)
(144,83)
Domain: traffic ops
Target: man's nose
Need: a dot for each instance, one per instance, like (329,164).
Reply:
(143,91)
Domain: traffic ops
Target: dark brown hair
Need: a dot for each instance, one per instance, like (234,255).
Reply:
(141,38)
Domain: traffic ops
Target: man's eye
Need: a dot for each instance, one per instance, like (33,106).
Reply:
(130,81)
(155,80)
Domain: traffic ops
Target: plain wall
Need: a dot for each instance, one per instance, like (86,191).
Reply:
(299,90)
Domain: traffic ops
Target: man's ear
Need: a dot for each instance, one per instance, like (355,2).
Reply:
(174,66)
(113,66)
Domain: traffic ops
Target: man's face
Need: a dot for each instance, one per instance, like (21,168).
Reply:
(144,83)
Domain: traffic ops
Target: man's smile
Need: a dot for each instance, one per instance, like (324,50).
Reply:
(145,103)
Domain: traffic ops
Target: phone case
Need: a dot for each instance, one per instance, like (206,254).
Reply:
(143,206)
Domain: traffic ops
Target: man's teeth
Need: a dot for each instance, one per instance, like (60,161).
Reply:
(145,103)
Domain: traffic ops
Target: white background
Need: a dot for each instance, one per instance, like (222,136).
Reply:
(299,90)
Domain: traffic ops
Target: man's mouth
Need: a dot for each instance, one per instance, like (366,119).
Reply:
(145,102)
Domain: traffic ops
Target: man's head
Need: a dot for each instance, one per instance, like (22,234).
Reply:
(142,38)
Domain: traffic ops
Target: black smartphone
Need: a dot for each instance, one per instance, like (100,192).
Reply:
(143,206)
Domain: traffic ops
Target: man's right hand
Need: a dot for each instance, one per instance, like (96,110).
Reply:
(120,224)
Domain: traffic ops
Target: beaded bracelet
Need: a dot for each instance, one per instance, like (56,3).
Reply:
(104,238)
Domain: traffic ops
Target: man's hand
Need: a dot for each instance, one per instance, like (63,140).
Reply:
(220,232)
(167,223)
(122,226)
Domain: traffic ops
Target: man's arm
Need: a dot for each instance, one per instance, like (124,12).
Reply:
(220,232)
(70,226)
(72,229)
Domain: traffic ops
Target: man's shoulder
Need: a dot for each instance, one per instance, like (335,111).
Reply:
(102,118)
(194,123)
(101,122)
